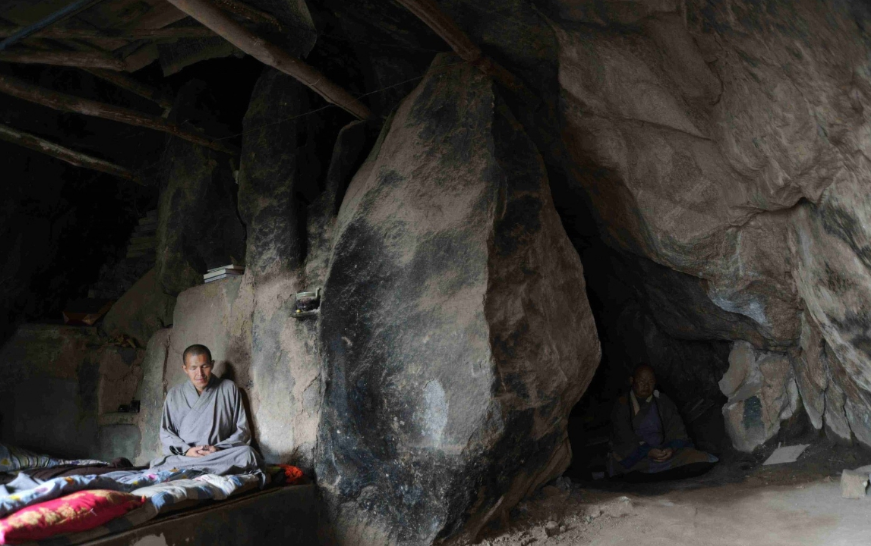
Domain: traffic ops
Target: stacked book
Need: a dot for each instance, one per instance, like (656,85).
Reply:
(143,242)
(223,272)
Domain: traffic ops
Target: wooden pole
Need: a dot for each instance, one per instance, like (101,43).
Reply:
(223,25)
(133,85)
(122,33)
(431,14)
(59,15)
(82,59)
(65,154)
(250,13)
(68,103)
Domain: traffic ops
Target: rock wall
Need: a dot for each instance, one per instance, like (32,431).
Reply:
(455,328)
(61,390)
(726,142)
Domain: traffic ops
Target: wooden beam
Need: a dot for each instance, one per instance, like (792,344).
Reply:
(65,154)
(133,85)
(81,59)
(223,25)
(250,13)
(59,15)
(121,33)
(431,14)
(68,103)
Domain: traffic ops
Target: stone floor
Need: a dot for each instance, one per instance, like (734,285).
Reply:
(740,503)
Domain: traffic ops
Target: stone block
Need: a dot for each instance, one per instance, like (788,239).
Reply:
(853,484)
(141,311)
(767,396)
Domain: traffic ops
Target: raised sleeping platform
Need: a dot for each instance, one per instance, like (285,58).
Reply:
(276,516)
(54,502)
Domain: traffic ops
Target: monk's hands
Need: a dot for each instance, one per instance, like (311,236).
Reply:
(661,455)
(201,451)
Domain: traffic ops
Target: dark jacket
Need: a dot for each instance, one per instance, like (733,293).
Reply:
(627,445)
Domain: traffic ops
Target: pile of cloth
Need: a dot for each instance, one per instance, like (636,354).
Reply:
(61,502)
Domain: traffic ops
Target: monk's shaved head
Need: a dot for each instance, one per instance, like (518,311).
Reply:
(196,350)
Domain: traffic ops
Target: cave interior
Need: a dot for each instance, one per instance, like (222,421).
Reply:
(502,208)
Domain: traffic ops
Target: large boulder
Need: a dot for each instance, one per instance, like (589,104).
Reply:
(198,224)
(455,330)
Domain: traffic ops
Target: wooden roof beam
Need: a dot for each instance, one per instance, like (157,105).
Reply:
(68,103)
(210,16)
(121,33)
(55,17)
(250,13)
(81,59)
(65,154)
(133,85)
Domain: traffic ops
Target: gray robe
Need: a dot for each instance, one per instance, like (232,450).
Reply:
(217,418)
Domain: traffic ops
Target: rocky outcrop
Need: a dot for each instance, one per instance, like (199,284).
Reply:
(455,330)
(141,311)
(726,143)
(829,242)
(762,392)
(279,174)
(275,165)
(198,224)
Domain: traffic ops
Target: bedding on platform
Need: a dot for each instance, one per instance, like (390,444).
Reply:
(14,459)
(73,513)
(51,510)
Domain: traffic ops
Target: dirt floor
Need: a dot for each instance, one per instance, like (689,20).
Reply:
(738,503)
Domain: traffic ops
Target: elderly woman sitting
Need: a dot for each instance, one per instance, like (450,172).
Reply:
(648,439)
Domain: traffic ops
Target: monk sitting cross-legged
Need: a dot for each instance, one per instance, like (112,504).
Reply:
(204,424)
(648,438)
